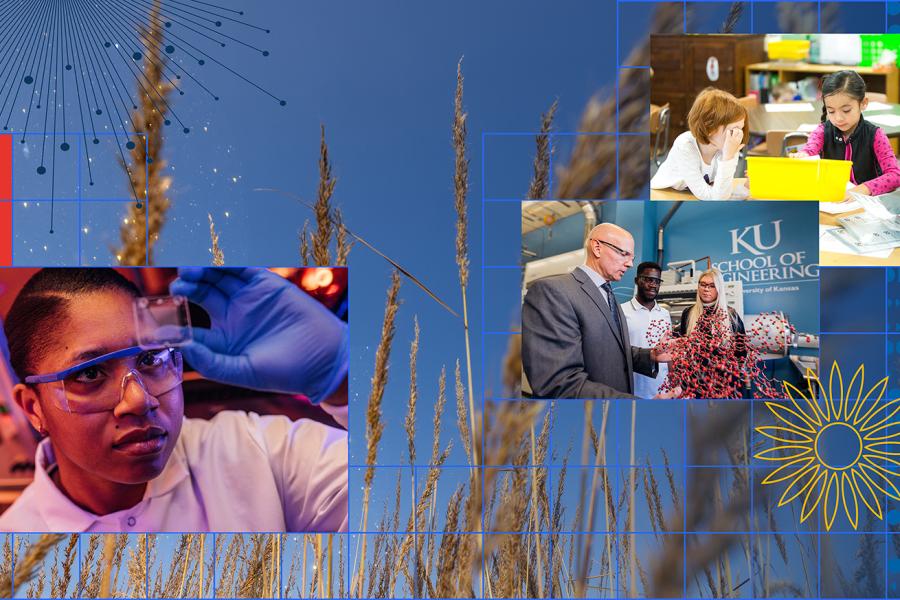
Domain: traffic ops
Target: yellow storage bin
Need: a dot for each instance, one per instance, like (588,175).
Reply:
(789,50)
(798,179)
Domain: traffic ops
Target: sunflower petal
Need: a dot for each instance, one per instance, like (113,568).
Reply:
(848,493)
(811,414)
(866,492)
(854,393)
(815,494)
(832,499)
(812,471)
(835,406)
(788,470)
(792,418)
(816,390)
(878,477)
(891,409)
(769,453)
(889,448)
(876,392)
(888,431)
(772,432)
(878,462)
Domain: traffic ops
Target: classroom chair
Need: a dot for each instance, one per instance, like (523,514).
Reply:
(660,117)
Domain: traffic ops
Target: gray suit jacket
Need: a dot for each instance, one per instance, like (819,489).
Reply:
(571,347)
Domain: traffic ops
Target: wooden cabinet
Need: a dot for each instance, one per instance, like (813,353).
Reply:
(679,68)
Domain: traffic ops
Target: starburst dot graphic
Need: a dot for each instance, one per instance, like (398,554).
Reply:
(838,447)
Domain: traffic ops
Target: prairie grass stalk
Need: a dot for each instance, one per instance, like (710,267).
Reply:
(146,166)
(374,424)
(461,191)
(304,244)
(324,228)
(540,180)
(109,552)
(218,258)
(26,569)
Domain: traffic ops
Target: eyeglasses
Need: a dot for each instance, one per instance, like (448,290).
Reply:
(99,384)
(708,286)
(619,251)
(646,279)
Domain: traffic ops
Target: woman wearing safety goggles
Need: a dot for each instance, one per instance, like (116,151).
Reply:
(118,453)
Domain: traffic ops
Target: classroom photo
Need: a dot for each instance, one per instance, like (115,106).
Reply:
(784,117)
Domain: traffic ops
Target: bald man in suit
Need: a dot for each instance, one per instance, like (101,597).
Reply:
(574,336)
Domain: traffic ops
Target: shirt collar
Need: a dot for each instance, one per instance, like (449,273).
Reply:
(638,306)
(596,277)
(61,514)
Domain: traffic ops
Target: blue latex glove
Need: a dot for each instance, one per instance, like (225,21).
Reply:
(266,333)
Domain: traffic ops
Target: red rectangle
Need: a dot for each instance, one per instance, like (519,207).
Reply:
(5,197)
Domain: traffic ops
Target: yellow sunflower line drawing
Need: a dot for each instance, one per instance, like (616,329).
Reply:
(811,425)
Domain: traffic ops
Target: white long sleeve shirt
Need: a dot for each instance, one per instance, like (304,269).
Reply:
(684,169)
(236,472)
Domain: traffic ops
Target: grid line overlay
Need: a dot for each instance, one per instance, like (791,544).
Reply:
(814,534)
(78,198)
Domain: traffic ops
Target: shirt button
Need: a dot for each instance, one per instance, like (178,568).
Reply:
(131,521)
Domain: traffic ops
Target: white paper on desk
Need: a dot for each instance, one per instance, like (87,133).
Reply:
(828,243)
(873,106)
(808,127)
(837,208)
(792,107)
(888,120)
(873,206)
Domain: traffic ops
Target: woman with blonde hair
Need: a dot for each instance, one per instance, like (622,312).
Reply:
(711,299)
(700,322)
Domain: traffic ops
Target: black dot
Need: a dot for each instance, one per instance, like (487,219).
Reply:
(265,52)
(96,141)
(180,93)
(168,23)
(268,31)
(149,160)
(91,183)
(218,23)
(22,141)
(64,146)
(139,206)
(130,145)
(170,49)
(107,44)
(29,79)
(37,106)
(68,67)
(187,130)
(51,231)
(201,62)
(5,128)
(283,103)
(217,98)
(136,56)
(41,170)
(178,77)
(99,112)
(168,122)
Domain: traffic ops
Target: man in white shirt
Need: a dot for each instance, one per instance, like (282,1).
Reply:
(647,319)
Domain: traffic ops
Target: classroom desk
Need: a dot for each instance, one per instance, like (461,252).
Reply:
(837,259)
(763,121)
(672,194)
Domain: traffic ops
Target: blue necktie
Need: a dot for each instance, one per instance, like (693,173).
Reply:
(611,300)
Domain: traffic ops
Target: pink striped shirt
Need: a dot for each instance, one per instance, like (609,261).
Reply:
(884,154)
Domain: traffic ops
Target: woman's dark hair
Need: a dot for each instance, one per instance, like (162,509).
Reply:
(37,312)
(842,82)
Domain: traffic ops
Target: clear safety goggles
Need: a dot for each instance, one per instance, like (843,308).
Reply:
(98,385)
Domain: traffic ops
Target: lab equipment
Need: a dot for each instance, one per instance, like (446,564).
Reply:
(162,321)
(97,385)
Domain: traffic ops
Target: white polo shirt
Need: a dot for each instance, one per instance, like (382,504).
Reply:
(639,319)
(236,472)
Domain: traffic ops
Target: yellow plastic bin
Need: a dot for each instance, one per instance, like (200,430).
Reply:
(773,178)
(788,50)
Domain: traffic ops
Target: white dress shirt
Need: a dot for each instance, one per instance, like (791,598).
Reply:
(684,169)
(236,472)
(639,319)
